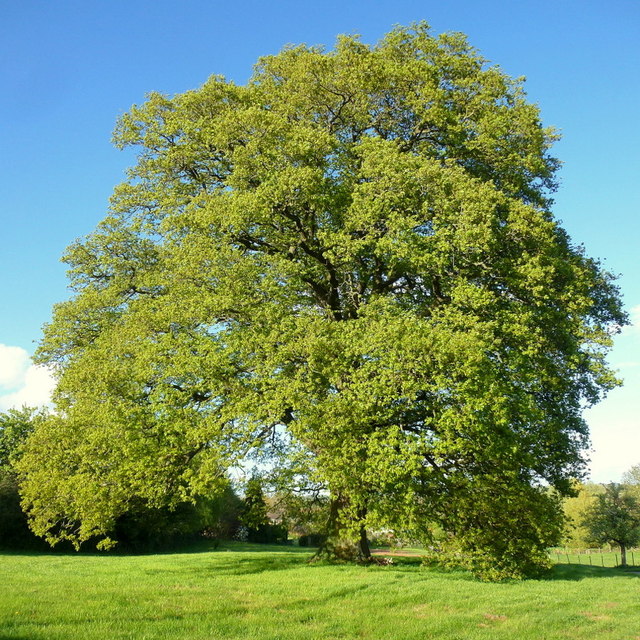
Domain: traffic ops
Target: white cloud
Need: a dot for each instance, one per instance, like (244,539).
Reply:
(14,362)
(21,381)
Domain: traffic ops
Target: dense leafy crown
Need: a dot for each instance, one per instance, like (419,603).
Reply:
(354,250)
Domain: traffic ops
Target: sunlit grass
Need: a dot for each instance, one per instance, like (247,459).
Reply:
(273,593)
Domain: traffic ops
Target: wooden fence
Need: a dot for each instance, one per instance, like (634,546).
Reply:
(594,557)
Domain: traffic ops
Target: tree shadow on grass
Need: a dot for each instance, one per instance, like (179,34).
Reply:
(254,560)
(302,558)
(240,559)
(240,566)
(248,566)
(255,565)
(202,546)
(255,547)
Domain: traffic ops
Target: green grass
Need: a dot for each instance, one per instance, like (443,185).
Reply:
(272,593)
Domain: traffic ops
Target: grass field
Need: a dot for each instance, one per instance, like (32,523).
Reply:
(272,593)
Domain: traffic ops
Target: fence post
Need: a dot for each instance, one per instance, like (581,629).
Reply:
(602,558)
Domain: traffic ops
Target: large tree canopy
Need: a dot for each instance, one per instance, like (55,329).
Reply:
(354,252)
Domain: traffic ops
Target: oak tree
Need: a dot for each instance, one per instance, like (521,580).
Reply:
(354,255)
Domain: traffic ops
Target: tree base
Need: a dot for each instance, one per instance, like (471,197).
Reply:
(343,551)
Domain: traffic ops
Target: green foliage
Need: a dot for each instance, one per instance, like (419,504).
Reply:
(509,538)
(15,427)
(144,529)
(254,510)
(614,518)
(354,250)
(14,528)
(302,514)
(631,480)
(632,476)
(254,516)
(221,514)
(576,534)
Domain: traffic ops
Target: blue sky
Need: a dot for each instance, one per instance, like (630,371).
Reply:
(69,69)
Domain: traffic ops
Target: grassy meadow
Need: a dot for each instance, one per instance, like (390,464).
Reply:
(269,593)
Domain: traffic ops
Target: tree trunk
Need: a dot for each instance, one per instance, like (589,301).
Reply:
(364,552)
(334,547)
(332,529)
(623,555)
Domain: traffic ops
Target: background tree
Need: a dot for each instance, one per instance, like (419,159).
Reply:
(355,249)
(631,480)
(15,427)
(614,519)
(144,528)
(575,507)
(254,509)
(256,518)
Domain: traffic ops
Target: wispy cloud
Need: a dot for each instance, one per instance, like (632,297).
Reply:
(21,381)
(634,317)
(630,364)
